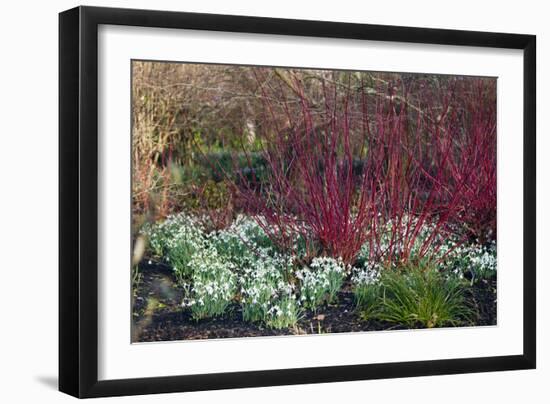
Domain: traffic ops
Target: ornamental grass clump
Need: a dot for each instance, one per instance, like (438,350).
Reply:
(422,296)
(321,281)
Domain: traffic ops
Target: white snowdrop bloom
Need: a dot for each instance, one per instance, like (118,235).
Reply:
(324,276)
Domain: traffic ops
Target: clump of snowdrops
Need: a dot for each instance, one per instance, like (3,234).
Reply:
(321,281)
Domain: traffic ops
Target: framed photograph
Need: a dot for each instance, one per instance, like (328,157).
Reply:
(251,201)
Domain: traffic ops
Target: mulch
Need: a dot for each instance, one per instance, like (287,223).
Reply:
(158,315)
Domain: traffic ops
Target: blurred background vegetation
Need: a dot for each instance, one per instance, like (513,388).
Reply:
(198,129)
(191,124)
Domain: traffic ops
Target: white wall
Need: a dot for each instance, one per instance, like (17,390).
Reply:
(28,199)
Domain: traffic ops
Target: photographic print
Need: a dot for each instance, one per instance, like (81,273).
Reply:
(276,201)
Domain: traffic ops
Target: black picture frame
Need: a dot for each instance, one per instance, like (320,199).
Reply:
(78,201)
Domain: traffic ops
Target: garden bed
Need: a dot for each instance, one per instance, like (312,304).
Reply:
(166,320)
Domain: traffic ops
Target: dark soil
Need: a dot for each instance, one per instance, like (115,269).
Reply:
(158,315)
(484,301)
